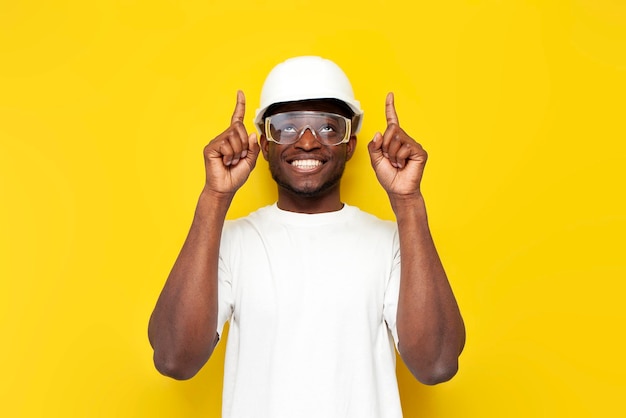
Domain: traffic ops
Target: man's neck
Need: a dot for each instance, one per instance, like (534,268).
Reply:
(330,202)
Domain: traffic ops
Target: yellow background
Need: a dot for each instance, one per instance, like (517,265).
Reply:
(105,107)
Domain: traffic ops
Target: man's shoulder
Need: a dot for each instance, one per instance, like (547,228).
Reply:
(361,215)
(264,212)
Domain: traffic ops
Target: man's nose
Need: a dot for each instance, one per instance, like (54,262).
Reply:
(308,139)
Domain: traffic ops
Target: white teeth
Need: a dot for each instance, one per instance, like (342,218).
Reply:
(306,163)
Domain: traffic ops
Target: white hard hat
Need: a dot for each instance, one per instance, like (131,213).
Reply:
(305,78)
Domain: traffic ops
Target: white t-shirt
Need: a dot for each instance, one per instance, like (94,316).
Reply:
(311,301)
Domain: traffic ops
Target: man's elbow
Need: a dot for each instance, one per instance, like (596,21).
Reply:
(176,368)
(436,374)
(429,369)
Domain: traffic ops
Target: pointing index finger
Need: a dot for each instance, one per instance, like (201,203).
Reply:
(240,108)
(390,110)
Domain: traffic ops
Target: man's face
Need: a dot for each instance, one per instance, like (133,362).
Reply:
(307,167)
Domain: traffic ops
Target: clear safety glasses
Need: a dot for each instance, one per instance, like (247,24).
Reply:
(328,128)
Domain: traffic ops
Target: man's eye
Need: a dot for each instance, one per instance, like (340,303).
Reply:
(289,130)
(327,129)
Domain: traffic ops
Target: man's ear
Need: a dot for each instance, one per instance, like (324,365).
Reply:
(265,146)
(350,147)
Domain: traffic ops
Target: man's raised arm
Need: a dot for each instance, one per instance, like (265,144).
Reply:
(431,333)
(186,311)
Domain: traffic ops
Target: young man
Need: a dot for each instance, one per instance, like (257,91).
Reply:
(313,288)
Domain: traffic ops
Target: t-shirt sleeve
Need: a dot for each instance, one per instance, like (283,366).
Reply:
(224,290)
(392,290)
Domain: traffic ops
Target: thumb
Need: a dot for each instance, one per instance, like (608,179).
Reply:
(253,146)
(375,148)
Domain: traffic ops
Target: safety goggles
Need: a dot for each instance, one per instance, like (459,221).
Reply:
(327,128)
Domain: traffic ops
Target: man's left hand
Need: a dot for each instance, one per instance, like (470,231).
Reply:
(397,159)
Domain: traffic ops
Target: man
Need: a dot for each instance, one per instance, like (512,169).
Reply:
(313,288)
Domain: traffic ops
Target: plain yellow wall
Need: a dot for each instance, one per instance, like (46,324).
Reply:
(105,107)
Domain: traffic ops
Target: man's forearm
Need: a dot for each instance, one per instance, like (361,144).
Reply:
(430,327)
(186,311)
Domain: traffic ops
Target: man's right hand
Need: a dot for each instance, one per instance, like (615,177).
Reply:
(232,155)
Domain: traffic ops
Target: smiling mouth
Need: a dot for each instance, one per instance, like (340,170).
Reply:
(306,164)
